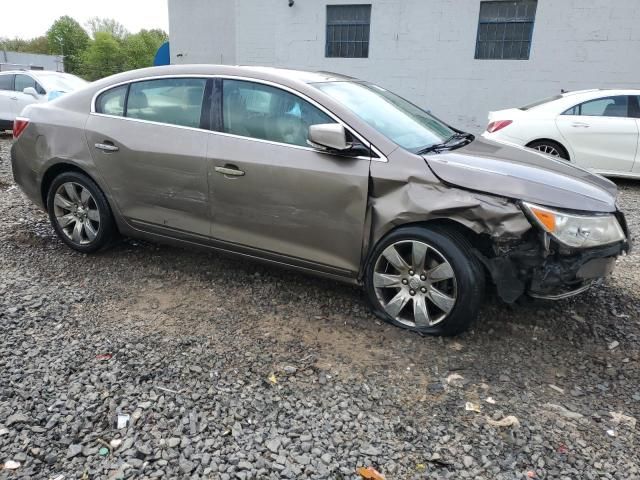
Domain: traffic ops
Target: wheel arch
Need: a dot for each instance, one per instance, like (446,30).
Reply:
(481,241)
(62,167)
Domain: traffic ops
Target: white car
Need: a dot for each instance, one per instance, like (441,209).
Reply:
(20,88)
(595,129)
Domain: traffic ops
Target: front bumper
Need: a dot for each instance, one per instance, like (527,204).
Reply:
(536,265)
(564,276)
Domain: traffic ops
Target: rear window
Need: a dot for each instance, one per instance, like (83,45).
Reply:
(602,107)
(111,102)
(541,102)
(175,101)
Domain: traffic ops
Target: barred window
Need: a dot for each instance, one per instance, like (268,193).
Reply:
(505,29)
(348,31)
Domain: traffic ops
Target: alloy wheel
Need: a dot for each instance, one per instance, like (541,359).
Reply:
(414,283)
(548,149)
(76,213)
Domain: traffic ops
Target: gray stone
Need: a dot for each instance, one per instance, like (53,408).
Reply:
(16,418)
(74,450)
(274,444)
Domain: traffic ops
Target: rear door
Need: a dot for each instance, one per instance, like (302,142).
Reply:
(601,133)
(275,195)
(150,144)
(7,99)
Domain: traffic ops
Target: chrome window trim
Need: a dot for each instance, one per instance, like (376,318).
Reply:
(381,157)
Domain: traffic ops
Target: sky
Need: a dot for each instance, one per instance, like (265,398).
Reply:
(32,18)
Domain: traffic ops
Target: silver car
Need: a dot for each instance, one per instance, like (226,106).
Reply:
(323,173)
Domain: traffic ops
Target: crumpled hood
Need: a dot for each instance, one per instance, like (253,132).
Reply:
(520,173)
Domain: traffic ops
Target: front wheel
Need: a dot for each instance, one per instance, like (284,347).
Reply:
(426,280)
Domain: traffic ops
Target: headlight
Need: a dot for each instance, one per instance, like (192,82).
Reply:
(577,231)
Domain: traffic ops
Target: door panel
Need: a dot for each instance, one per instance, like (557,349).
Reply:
(22,99)
(634,107)
(291,201)
(158,175)
(7,98)
(601,134)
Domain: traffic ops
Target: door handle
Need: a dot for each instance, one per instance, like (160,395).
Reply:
(107,147)
(580,125)
(229,170)
(14,98)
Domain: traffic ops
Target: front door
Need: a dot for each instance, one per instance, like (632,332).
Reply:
(601,134)
(7,100)
(273,193)
(152,153)
(23,99)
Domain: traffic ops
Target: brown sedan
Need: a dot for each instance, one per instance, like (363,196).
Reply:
(320,172)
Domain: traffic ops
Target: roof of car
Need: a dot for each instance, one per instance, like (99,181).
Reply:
(266,73)
(32,72)
(13,72)
(301,75)
(603,91)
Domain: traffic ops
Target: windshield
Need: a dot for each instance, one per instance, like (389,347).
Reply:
(400,121)
(61,82)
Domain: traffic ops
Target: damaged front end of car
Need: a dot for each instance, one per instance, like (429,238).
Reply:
(544,234)
(561,256)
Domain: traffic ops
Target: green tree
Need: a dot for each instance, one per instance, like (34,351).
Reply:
(109,25)
(35,45)
(140,48)
(103,57)
(66,37)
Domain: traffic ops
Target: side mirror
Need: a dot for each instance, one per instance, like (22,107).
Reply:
(30,91)
(328,136)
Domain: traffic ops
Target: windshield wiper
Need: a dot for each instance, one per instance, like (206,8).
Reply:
(456,140)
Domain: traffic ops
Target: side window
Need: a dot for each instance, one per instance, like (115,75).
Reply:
(111,102)
(6,82)
(39,89)
(24,81)
(634,106)
(260,111)
(602,107)
(573,111)
(176,101)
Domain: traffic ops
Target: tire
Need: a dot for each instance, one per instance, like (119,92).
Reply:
(550,148)
(88,207)
(459,276)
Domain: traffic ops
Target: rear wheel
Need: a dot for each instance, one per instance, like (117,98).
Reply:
(550,148)
(426,280)
(79,212)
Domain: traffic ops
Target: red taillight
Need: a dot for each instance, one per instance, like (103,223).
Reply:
(19,124)
(498,125)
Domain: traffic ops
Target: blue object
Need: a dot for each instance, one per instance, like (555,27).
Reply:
(55,94)
(162,55)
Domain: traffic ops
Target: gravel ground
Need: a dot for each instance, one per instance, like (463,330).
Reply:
(229,369)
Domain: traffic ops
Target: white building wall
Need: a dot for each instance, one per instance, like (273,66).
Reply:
(202,31)
(424,49)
